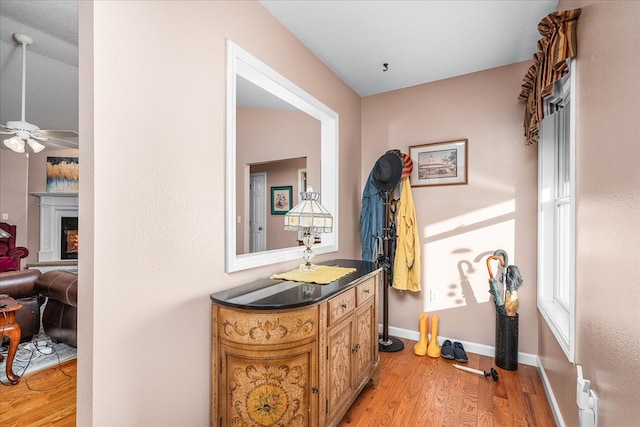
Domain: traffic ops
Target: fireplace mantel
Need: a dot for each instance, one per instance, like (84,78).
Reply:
(53,207)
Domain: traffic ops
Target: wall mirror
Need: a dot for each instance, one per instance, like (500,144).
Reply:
(272,124)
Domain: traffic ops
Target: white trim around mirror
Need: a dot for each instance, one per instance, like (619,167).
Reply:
(240,62)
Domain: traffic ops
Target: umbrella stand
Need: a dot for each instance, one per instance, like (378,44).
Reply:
(506,353)
(507,303)
(387,343)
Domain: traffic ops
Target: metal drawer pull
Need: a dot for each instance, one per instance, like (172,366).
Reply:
(356,348)
(344,306)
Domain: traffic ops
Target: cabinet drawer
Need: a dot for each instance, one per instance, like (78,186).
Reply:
(342,305)
(242,327)
(365,290)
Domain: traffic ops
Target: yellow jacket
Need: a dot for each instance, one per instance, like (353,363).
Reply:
(406,266)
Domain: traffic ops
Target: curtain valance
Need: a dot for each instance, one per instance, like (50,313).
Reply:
(558,43)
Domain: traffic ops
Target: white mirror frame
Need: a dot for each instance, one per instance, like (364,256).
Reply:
(241,63)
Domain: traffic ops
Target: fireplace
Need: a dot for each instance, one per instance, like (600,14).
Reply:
(58,227)
(69,237)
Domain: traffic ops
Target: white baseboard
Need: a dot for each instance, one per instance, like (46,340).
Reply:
(485,350)
(550,396)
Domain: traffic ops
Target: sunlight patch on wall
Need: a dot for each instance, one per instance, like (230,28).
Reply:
(455,255)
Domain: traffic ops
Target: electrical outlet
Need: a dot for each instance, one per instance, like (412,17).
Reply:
(5,216)
(434,296)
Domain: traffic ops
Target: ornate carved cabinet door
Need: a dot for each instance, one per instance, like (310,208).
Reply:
(339,364)
(268,369)
(366,342)
(269,388)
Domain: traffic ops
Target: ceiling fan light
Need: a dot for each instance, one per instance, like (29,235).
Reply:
(35,145)
(15,144)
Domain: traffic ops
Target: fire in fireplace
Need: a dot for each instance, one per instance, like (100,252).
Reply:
(69,238)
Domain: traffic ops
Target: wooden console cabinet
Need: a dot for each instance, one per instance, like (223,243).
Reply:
(292,353)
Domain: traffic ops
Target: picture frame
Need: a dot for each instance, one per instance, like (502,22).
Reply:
(281,201)
(62,175)
(440,163)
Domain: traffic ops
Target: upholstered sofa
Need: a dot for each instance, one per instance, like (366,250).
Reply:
(56,290)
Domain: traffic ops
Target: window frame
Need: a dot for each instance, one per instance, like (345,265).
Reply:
(558,312)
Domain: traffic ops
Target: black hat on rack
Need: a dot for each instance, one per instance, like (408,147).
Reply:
(387,171)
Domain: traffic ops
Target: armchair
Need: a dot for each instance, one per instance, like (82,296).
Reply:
(8,249)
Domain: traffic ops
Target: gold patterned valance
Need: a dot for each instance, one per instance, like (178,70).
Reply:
(558,43)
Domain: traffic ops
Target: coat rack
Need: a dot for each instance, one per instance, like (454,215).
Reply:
(387,343)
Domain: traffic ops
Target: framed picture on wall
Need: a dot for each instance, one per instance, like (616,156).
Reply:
(440,163)
(281,202)
(62,175)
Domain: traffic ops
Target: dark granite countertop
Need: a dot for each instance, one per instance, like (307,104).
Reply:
(271,294)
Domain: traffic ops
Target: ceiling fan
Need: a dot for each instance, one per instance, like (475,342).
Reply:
(24,131)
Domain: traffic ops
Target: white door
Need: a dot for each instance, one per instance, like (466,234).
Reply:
(258,213)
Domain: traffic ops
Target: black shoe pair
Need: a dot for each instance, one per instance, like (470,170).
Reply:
(453,351)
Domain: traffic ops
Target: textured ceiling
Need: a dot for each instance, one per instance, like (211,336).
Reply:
(52,23)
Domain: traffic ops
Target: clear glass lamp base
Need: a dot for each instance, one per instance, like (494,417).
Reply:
(308,256)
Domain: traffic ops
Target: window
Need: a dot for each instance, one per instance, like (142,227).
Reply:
(556,213)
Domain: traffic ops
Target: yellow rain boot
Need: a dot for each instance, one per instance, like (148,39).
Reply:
(420,348)
(433,349)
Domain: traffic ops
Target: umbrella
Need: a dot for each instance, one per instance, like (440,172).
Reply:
(512,282)
(494,287)
(506,299)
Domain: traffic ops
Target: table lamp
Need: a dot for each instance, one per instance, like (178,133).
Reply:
(309,217)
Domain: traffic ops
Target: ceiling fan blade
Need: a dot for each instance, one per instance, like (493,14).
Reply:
(38,136)
(59,133)
(8,131)
(60,143)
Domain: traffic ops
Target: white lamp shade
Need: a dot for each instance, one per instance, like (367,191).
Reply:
(35,145)
(15,144)
(309,215)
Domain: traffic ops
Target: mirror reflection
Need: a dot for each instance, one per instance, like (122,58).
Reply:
(262,229)
(278,137)
(275,142)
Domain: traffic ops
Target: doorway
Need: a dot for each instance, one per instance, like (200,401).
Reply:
(258,212)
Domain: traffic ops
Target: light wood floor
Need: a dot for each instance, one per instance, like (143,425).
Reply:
(43,398)
(424,391)
(413,391)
